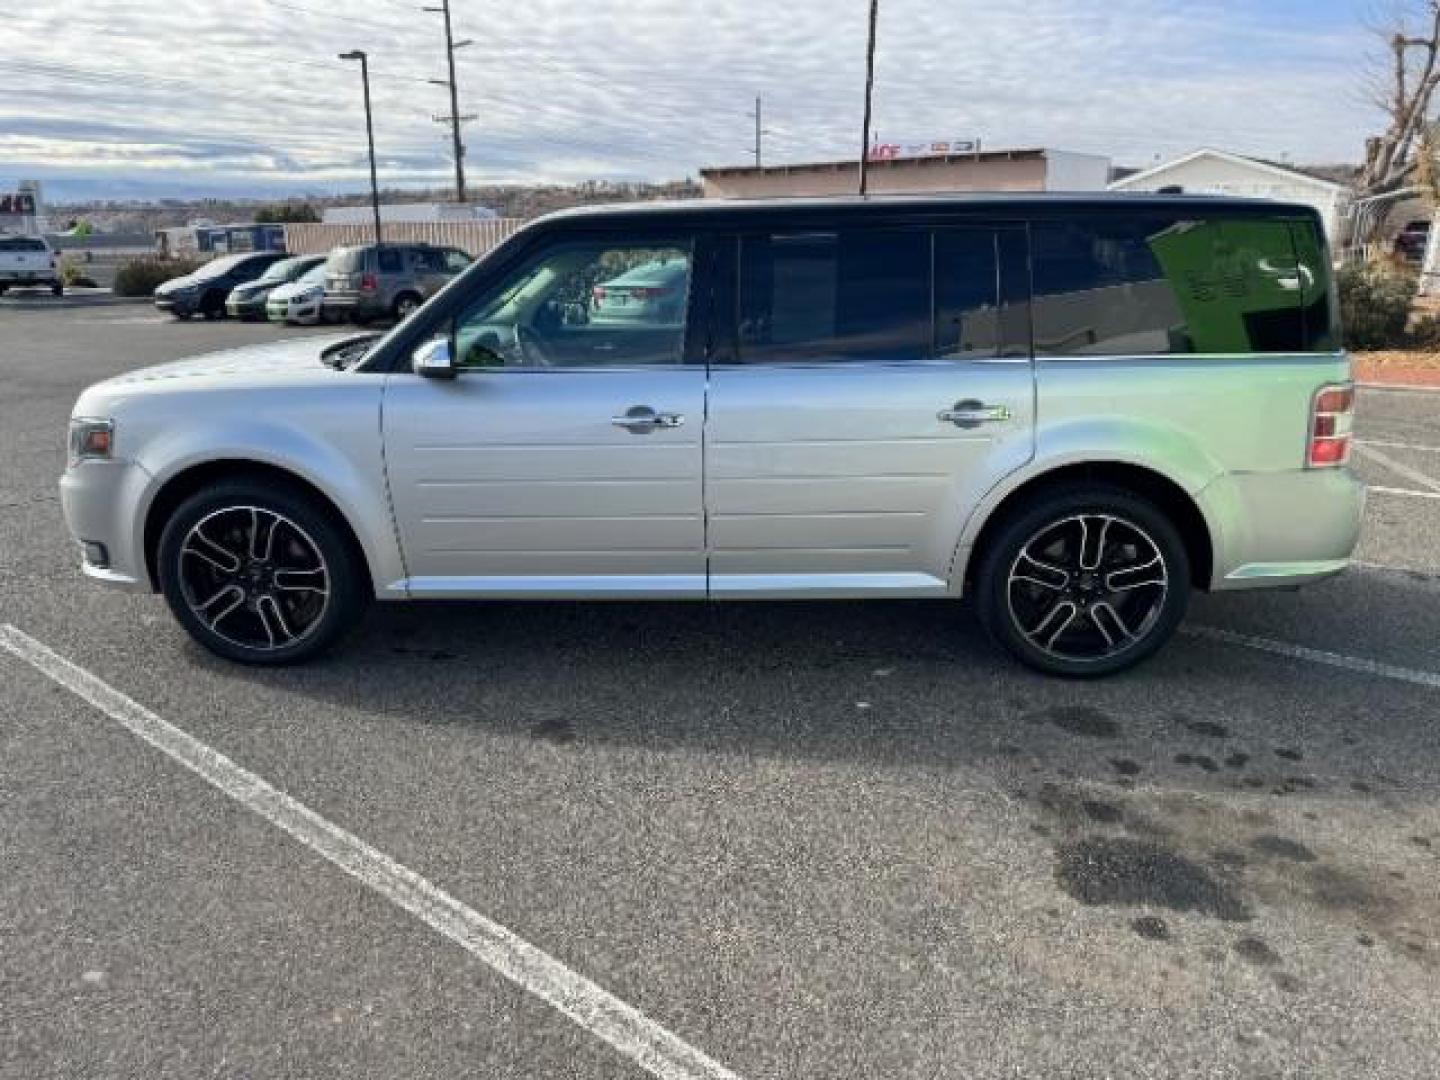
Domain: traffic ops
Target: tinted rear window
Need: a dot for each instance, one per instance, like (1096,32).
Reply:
(859,294)
(21,243)
(346,260)
(1107,286)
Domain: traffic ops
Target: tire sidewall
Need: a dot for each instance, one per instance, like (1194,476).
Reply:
(992,578)
(347,595)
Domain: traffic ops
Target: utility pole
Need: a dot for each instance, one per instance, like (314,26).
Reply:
(759,131)
(455,119)
(359,54)
(869,86)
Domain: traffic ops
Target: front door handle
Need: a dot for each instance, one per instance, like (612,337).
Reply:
(971,413)
(641,419)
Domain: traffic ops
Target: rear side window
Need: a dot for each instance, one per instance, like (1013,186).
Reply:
(980,294)
(859,294)
(1319,296)
(1151,286)
(391,261)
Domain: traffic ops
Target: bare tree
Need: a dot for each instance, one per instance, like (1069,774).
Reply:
(1403,86)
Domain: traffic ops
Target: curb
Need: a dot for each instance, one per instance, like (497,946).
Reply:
(97,299)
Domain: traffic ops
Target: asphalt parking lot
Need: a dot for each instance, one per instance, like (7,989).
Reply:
(801,841)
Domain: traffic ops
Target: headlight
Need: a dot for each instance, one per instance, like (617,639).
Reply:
(91,439)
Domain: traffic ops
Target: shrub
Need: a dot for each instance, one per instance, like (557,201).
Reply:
(1375,304)
(138,277)
(72,274)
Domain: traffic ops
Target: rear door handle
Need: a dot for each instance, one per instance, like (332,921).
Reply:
(640,419)
(971,413)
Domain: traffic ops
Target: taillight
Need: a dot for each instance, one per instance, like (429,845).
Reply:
(369,283)
(1332,416)
(598,294)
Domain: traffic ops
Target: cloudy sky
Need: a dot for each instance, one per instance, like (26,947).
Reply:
(186,96)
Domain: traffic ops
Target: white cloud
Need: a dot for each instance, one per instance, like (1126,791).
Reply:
(250,91)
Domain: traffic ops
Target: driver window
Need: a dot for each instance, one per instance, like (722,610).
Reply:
(582,305)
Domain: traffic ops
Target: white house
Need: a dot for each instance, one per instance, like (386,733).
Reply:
(1214,172)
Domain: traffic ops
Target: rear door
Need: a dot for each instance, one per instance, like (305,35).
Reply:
(876,382)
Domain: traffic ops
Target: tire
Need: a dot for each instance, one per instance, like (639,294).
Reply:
(1047,565)
(212,306)
(280,609)
(405,305)
(57,288)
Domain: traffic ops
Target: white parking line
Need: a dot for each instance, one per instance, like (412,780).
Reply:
(1376,489)
(1317,656)
(1399,468)
(652,1047)
(1398,445)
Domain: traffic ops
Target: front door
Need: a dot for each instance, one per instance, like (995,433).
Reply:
(565,458)
(879,385)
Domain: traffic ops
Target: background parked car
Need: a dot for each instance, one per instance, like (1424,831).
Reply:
(387,280)
(1411,240)
(301,301)
(28,260)
(204,291)
(652,293)
(248,301)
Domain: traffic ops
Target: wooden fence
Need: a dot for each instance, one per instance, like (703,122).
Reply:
(473,237)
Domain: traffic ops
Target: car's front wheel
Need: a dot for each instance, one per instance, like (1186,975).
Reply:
(260,574)
(1084,582)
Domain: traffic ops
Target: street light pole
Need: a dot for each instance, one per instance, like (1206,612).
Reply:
(869,85)
(359,54)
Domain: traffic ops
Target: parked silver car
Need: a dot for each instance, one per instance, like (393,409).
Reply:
(1074,409)
(386,281)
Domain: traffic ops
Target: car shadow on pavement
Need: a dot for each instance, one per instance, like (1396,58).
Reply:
(1212,784)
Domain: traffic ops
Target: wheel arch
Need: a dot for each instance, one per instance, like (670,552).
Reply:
(185,483)
(1170,497)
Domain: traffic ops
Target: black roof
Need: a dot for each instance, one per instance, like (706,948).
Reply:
(702,212)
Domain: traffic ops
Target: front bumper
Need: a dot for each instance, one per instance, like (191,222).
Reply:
(1272,530)
(246,309)
(100,500)
(177,305)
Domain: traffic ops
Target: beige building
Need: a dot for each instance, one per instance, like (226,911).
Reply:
(988,170)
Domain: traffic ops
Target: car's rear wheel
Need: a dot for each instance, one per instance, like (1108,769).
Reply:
(1085,582)
(57,288)
(260,574)
(406,304)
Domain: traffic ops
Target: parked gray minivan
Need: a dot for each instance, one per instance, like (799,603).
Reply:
(387,281)
(1074,409)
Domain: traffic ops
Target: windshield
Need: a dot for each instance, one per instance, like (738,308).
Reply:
(220,267)
(314,276)
(285,270)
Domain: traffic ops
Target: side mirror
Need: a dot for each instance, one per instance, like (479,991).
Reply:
(434,360)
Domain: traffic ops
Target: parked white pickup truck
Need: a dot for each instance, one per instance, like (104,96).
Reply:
(28,260)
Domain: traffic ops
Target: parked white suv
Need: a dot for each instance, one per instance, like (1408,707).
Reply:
(1074,409)
(28,260)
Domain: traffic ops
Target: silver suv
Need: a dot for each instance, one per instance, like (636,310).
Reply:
(1074,409)
(386,281)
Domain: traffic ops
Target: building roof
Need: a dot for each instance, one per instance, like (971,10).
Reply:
(1293,172)
(886,163)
